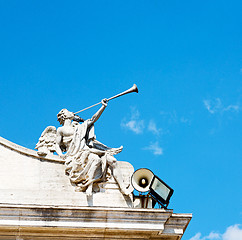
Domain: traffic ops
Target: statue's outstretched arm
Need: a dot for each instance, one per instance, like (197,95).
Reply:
(97,115)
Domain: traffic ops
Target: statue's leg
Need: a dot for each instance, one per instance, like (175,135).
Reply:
(112,161)
(83,156)
(96,161)
(77,164)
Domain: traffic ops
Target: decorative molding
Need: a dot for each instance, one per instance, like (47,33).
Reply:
(91,222)
(29,152)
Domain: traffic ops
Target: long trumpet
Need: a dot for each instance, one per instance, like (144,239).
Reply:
(132,89)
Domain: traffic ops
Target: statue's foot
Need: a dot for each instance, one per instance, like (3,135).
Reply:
(89,191)
(114,151)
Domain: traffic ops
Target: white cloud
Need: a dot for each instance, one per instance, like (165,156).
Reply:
(153,128)
(135,124)
(213,235)
(154,148)
(215,106)
(196,237)
(232,108)
(231,233)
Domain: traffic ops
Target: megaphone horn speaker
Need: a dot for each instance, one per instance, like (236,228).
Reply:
(141,179)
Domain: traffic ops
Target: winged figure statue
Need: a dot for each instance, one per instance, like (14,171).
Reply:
(86,159)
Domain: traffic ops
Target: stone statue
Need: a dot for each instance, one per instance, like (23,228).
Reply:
(47,141)
(86,159)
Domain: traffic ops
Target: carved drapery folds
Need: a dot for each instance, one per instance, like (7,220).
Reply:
(88,161)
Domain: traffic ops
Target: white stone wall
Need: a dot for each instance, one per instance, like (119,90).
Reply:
(25,178)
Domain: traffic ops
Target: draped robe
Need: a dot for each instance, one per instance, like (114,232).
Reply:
(77,160)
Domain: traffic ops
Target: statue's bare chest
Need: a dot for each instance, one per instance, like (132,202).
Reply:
(67,131)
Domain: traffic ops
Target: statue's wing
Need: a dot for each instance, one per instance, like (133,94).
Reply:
(47,141)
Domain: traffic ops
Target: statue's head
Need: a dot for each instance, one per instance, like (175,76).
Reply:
(63,115)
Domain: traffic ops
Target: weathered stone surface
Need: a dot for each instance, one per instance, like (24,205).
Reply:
(38,202)
(45,222)
(27,178)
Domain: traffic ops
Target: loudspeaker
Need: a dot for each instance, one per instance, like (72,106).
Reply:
(141,179)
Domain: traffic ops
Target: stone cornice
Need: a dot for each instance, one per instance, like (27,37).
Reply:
(88,222)
(29,152)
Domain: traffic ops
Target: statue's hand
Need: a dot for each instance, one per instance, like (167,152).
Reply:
(105,102)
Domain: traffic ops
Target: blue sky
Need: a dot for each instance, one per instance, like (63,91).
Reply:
(185,122)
